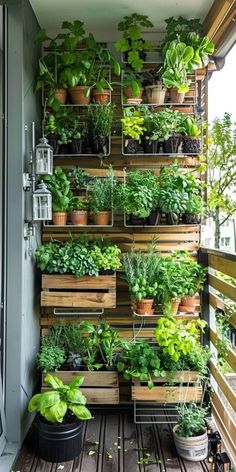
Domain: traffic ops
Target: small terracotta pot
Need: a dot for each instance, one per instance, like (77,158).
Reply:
(144,307)
(173,309)
(61,95)
(128,92)
(59,218)
(175,96)
(78,95)
(101,97)
(188,301)
(102,218)
(79,217)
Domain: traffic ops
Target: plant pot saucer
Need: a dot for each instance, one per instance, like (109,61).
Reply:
(146,314)
(186,309)
(134,101)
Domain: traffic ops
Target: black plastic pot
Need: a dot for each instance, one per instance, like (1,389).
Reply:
(172,144)
(131,146)
(189,219)
(191,145)
(149,146)
(52,141)
(154,218)
(76,146)
(64,149)
(172,218)
(99,144)
(60,442)
(106,272)
(136,221)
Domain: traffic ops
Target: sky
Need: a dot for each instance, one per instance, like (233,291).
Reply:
(222,89)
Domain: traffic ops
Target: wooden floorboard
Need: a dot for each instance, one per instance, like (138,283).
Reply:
(112,442)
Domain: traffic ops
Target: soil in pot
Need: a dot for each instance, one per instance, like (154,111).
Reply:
(144,307)
(60,442)
(175,96)
(61,95)
(154,218)
(189,219)
(191,145)
(101,97)
(128,92)
(59,218)
(155,94)
(76,146)
(102,218)
(172,144)
(172,218)
(79,217)
(193,448)
(99,144)
(78,95)
(131,146)
(52,141)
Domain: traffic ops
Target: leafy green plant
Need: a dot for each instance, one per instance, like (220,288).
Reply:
(110,343)
(177,340)
(106,255)
(141,361)
(163,124)
(191,420)
(101,193)
(50,358)
(79,178)
(132,42)
(132,79)
(174,72)
(139,195)
(173,201)
(100,119)
(133,124)
(195,205)
(56,404)
(59,186)
(190,127)
(77,203)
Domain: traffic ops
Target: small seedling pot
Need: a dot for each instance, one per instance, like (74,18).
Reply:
(76,146)
(172,144)
(98,144)
(191,145)
(189,219)
(131,146)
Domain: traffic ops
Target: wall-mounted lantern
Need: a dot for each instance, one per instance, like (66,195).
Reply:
(43,158)
(42,203)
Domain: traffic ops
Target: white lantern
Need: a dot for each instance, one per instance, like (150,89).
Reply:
(43,158)
(42,203)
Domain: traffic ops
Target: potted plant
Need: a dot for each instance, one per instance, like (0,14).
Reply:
(133,129)
(79,179)
(59,186)
(99,72)
(190,433)
(191,139)
(154,87)
(173,203)
(99,127)
(132,43)
(141,272)
(50,130)
(172,275)
(132,86)
(149,141)
(50,80)
(101,199)
(61,412)
(195,208)
(50,357)
(79,211)
(193,282)
(174,72)
(167,130)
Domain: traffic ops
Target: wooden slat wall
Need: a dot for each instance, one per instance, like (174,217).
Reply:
(168,238)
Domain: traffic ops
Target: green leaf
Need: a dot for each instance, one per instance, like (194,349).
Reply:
(53,381)
(41,36)
(75,396)
(122,45)
(77,381)
(134,32)
(55,413)
(34,403)
(48,399)
(81,412)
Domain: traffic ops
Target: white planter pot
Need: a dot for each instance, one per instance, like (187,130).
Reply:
(192,449)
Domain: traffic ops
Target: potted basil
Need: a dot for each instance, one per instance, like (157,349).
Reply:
(59,186)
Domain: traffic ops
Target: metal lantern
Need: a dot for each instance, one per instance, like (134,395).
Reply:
(42,203)
(43,158)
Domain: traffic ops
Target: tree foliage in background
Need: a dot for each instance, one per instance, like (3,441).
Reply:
(222,172)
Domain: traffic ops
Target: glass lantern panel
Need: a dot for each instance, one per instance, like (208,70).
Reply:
(42,209)
(44,159)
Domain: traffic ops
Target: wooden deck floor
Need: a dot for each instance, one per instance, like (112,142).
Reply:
(113,443)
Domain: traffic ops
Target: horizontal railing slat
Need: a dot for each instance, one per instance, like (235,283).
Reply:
(231,356)
(223,287)
(223,384)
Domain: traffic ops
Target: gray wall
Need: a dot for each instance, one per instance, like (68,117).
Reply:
(22,288)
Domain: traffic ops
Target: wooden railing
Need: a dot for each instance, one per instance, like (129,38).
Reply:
(220,294)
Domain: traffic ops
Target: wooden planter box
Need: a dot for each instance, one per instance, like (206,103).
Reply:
(183,387)
(78,292)
(98,387)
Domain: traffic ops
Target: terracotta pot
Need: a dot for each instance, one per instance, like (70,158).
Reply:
(59,218)
(155,94)
(128,92)
(101,97)
(144,307)
(78,95)
(175,96)
(102,218)
(188,301)
(61,95)
(79,217)
(173,308)
(185,309)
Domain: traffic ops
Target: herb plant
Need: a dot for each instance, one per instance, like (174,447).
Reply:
(141,272)
(191,420)
(133,124)
(50,358)
(59,186)
(139,195)
(100,119)
(79,178)
(174,72)
(101,193)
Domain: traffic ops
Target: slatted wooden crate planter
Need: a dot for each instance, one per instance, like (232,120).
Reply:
(78,292)
(178,387)
(98,387)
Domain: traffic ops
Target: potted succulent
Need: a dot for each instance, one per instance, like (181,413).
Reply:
(174,72)
(141,272)
(192,133)
(190,433)
(195,208)
(61,412)
(59,186)
(132,86)
(79,211)
(154,87)
(101,199)
(133,129)
(99,127)
(132,43)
